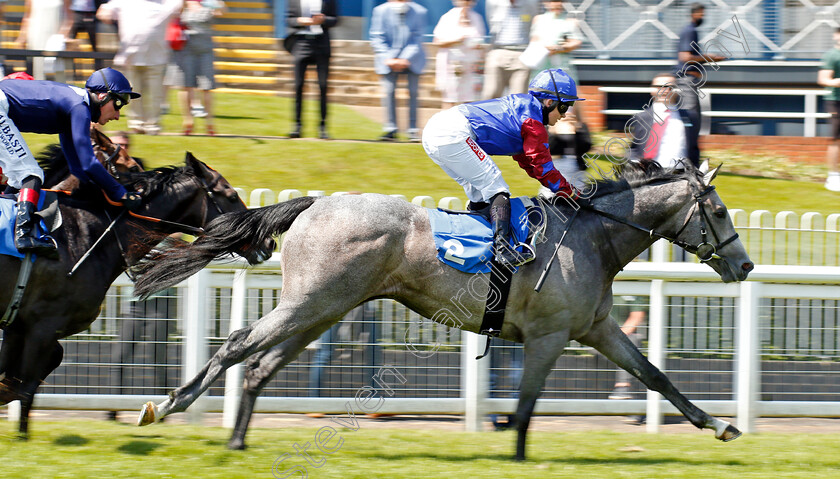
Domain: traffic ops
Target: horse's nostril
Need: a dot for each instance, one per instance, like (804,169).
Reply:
(747,267)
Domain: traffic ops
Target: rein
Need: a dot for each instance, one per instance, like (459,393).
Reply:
(197,231)
(705,251)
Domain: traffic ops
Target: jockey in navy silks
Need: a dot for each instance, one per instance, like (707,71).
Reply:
(50,107)
(461,139)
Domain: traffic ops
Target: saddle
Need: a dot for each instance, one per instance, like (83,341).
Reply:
(464,239)
(47,210)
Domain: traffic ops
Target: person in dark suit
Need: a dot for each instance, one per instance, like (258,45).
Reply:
(308,40)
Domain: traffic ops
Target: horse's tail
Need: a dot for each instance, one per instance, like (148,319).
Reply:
(245,233)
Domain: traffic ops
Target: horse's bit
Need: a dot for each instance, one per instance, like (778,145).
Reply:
(705,251)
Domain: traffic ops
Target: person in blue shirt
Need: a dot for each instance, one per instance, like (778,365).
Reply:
(689,75)
(56,108)
(461,139)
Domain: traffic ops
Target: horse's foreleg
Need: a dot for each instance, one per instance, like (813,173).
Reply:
(540,355)
(34,372)
(609,340)
(261,368)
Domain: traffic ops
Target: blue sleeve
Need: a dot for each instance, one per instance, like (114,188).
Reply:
(687,36)
(79,153)
(413,51)
(376,33)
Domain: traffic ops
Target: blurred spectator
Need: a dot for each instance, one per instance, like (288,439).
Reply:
(659,133)
(41,21)
(123,139)
(2,28)
(510,24)
(82,17)
(635,312)
(140,359)
(195,60)
(459,35)
(829,77)
(143,53)
(396,36)
(308,40)
(688,79)
(557,34)
(568,141)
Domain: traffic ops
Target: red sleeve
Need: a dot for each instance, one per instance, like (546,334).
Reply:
(536,159)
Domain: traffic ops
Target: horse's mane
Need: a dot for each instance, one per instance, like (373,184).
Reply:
(51,159)
(635,174)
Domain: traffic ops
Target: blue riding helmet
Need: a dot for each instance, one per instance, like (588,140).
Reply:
(554,84)
(108,80)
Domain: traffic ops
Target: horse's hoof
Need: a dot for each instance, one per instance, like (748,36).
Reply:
(730,433)
(236,446)
(147,414)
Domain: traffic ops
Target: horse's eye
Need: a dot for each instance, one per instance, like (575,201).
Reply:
(720,214)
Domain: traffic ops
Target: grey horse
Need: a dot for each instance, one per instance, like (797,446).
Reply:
(342,251)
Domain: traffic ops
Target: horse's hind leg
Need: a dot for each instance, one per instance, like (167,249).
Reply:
(540,355)
(261,368)
(607,337)
(280,324)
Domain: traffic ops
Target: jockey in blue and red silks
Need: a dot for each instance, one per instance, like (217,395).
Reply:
(461,139)
(50,107)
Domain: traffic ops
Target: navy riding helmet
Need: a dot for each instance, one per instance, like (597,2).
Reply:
(112,82)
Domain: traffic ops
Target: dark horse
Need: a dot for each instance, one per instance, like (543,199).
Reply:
(342,251)
(56,306)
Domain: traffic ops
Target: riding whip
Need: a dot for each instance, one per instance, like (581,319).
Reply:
(99,240)
(550,261)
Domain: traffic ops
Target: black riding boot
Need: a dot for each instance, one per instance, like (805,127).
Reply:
(502,248)
(26,240)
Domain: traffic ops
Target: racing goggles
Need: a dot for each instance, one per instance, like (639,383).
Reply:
(563,107)
(120,99)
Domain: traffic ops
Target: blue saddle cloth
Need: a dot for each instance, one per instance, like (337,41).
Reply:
(7,225)
(465,241)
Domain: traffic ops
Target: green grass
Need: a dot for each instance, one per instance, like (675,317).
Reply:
(366,165)
(99,449)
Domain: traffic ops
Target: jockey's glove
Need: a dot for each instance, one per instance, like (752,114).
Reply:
(133,201)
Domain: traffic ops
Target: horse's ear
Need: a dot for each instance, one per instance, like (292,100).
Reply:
(192,162)
(708,177)
(198,167)
(704,167)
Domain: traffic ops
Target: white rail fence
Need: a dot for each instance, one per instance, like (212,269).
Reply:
(729,347)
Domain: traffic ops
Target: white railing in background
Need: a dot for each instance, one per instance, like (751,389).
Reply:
(809,114)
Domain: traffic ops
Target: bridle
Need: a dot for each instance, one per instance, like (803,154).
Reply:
(208,188)
(705,251)
(109,161)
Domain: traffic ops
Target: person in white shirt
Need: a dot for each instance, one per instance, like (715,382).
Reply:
(143,53)
(510,27)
